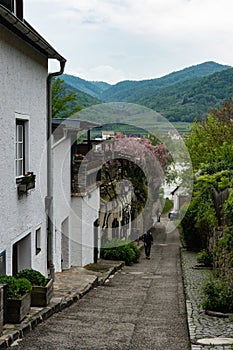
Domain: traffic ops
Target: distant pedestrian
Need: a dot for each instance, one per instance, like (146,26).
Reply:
(148,241)
(158,216)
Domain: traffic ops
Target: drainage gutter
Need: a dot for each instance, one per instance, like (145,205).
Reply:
(49,198)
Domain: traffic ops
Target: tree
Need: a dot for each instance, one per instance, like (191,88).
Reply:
(211,141)
(211,150)
(64,102)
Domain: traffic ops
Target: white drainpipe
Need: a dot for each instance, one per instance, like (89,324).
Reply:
(49,197)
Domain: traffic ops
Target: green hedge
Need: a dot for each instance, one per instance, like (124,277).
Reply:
(120,250)
(16,288)
(34,276)
(218,296)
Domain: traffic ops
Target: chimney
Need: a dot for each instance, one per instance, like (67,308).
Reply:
(19,9)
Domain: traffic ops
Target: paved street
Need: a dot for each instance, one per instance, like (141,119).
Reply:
(142,307)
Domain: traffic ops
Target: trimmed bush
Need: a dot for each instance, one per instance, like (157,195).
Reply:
(218,296)
(35,277)
(205,257)
(136,250)
(120,250)
(16,287)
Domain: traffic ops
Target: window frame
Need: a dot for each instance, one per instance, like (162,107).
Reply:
(22,120)
(38,240)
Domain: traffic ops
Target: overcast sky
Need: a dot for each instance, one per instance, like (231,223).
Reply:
(114,40)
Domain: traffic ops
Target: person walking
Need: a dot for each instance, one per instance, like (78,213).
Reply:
(148,241)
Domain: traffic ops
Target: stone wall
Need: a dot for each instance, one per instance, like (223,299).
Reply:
(85,175)
(220,245)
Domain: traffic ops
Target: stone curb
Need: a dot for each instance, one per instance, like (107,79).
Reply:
(25,327)
(200,329)
(218,314)
(111,271)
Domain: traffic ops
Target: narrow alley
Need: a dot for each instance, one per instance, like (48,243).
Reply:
(142,307)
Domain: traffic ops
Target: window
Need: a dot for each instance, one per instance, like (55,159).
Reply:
(20,148)
(21,145)
(38,241)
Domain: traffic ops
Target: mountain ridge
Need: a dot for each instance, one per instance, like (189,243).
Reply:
(192,99)
(92,88)
(183,95)
(130,91)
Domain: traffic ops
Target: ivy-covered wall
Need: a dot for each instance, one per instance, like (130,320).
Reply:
(223,243)
(222,246)
(208,223)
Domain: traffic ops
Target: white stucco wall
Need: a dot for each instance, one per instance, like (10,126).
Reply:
(23,73)
(176,204)
(85,211)
(74,216)
(62,202)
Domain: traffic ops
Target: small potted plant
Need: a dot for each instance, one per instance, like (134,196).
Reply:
(79,156)
(18,293)
(42,287)
(26,183)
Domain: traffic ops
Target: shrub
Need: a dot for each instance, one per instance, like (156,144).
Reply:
(120,250)
(168,205)
(136,250)
(35,277)
(191,237)
(218,296)
(24,286)
(16,288)
(200,220)
(205,257)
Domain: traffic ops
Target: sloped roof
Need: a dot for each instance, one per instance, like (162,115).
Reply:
(27,33)
(73,124)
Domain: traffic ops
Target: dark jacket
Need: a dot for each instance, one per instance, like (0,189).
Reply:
(148,238)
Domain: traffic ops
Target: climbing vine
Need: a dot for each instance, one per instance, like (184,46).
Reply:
(228,208)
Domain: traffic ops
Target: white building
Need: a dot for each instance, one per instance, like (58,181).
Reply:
(76,197)
(107,134)
(180,196)
(24,58)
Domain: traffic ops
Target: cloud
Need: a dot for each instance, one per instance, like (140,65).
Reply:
(99,73)
(175,19)
(131,39)
(169,19)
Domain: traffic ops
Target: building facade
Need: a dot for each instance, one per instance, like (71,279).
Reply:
(76,196)
(23,134)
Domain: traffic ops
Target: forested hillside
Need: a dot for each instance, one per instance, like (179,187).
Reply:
(133,91)
(180,96)
(92,88)
(191,99)
(84,100)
